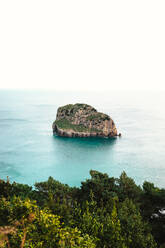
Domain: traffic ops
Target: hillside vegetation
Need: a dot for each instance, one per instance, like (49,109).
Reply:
(105,212)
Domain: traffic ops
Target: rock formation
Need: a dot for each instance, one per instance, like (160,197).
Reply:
(82,120)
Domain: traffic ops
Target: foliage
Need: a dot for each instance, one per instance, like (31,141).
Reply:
(75,107)
(128,189)
(98,116)
(104,227)
(136,232)
(56,196)
(66,124)
(105,212)
(37,228)
(103,188)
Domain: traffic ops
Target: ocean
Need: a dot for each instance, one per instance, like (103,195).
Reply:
(30,153)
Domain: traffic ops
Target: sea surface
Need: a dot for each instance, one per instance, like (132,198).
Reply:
(30,153)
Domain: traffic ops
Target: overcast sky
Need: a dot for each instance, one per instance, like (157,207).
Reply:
(87,44)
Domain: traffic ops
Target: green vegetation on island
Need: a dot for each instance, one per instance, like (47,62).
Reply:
(98,116)
(73,108)
(105,212)
(67,125)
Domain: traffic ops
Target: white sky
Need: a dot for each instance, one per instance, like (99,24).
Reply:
(87,44)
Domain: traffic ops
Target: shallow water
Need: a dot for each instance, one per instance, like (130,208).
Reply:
(29,152)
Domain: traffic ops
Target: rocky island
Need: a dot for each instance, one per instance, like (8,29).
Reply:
(82,120)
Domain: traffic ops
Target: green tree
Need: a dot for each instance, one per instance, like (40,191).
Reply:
(57,197)
(29,226)
(103,226)
(136,232)
(103,187)
(128,189)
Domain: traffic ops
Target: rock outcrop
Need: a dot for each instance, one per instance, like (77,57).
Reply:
(82,120)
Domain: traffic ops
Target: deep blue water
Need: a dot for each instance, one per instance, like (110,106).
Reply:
(29,152)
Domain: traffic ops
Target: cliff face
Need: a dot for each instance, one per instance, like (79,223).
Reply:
(82,120)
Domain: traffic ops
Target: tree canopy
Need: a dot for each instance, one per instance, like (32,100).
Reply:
(105,212)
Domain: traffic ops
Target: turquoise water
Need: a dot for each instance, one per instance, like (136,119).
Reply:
(30,153)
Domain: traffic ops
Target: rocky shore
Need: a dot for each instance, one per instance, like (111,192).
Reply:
(82,120)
